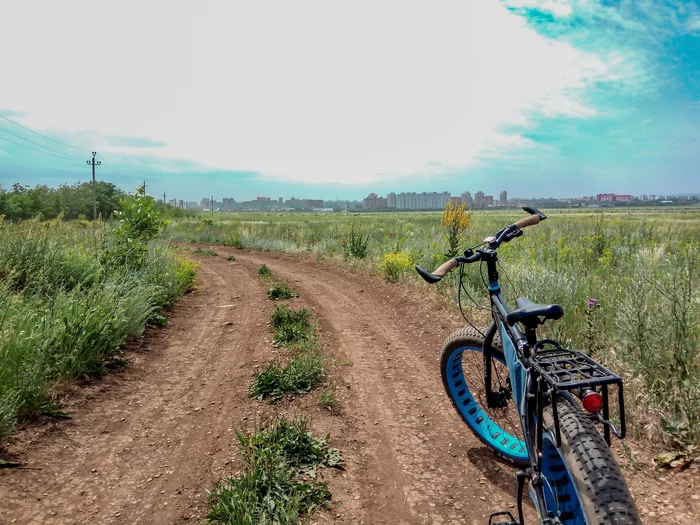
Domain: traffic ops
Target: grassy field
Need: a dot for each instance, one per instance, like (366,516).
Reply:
(70,295)
(641,266)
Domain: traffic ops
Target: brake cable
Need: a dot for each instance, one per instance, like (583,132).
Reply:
(461,288)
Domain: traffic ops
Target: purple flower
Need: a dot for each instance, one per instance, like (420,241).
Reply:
(592,302)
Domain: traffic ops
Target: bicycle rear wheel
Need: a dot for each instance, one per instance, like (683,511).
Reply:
(583,481)
(462,368)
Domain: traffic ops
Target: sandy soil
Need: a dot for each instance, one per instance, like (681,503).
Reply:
(145,442)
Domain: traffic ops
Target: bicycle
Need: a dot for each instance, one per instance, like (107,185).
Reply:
(536,403)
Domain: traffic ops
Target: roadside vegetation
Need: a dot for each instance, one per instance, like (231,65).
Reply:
(278,479)
(71,296)
(642,268)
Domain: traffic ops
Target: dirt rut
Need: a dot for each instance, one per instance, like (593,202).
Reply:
(145,442)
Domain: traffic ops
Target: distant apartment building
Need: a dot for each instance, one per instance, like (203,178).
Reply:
(503,198)
(304,204)
(205,203)
(482,201)
(467,197)
(374,202)
(229,203)
(418,201)
(612,197)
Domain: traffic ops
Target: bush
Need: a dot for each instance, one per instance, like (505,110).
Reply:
(455,220)
(139,223)
(355,242)
(264,271)
(393,265)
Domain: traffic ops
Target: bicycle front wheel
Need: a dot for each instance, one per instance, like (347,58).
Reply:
(583,483)
(462,366)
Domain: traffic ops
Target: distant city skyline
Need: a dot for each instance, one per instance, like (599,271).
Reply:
(420,201)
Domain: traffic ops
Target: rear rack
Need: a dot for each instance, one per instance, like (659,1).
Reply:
(567,369)
(559,369)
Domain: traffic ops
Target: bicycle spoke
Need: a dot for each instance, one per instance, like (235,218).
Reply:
(473,369)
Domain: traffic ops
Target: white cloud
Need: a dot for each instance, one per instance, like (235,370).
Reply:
(309,90)
(693,24)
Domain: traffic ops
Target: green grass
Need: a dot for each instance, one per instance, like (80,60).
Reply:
(303,372)
(642,265)
(277,484)
(291,327)
(304,369)
(66,307)
(281,291)
(264,271)
(328,400)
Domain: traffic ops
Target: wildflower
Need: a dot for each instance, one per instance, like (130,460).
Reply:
(592,303)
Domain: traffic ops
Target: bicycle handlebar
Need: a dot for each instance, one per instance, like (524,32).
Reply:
(530,220)
(505,235)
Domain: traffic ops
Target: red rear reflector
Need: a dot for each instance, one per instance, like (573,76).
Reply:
(592,401)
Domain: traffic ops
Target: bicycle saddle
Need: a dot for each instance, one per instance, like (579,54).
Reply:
(526,309)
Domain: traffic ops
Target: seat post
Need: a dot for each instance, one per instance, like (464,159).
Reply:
(531,333)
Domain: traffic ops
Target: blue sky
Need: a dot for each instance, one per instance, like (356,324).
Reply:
(309,99)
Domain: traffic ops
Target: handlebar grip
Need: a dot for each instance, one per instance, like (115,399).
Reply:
(530,220)
(444,268)
(438,274)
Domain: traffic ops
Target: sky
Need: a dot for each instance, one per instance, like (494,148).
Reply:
(318,99)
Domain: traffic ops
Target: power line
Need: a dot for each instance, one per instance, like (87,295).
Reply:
(37,133)
(109,163)
(115,171)
(40,145)
(34,149)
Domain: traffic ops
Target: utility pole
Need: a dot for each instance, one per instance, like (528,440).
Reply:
(163,198)
(94,195)
(144,186)
(211,204)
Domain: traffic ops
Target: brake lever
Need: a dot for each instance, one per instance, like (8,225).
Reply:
(511,236)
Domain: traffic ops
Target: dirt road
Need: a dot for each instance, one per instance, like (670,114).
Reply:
(145,442)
